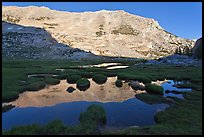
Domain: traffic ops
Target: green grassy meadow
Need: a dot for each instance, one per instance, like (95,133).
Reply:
(182,117)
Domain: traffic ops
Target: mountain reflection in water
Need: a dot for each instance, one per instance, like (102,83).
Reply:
(56,94)
(131,112)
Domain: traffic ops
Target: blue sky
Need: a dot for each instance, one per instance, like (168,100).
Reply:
(183,19)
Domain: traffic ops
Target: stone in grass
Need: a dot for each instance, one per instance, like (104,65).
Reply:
(118,83)
(136,85)
(141,87)
(70,89)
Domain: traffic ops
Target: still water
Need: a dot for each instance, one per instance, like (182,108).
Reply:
(131,112)
(54,102)
(169,85)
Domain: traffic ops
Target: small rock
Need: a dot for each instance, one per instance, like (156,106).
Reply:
(141,87)
(136,85)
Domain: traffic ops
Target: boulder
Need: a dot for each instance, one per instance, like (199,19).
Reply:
(141,87)
(136,85)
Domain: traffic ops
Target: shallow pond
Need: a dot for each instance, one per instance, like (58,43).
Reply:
(41,75)
(117,67)
(103,65)
(172,91)
(54,102)
(131,112)
(55,94)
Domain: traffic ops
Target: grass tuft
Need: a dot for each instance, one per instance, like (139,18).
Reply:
(118,83)
(153,88)
(99,78)
(73,78)
(83,84)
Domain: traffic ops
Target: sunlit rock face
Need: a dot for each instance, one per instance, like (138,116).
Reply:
(31,42)
(108,33)
(57,94)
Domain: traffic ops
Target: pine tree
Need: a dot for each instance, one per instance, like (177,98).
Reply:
(191,51)
(179,51)
(176,51)
(187,51)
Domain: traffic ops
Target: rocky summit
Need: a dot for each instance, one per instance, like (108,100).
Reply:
(37,32)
